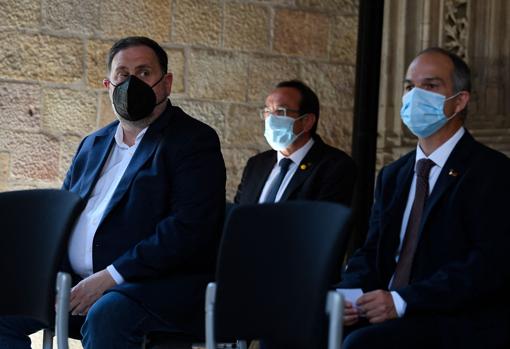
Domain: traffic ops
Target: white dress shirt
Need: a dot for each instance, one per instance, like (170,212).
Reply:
(439,156)
(296,158)
(82,237)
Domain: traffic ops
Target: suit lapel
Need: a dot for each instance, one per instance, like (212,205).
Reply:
(262,173)
(143,153)
(304,169)
(95,161)
(452,171)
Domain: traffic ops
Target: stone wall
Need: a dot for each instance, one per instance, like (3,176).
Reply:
(225,56)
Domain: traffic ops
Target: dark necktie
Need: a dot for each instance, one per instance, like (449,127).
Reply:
(405,261)
(277,182)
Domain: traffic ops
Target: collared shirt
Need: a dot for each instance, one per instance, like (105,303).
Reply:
(82,237)
(439,156)
(296,158)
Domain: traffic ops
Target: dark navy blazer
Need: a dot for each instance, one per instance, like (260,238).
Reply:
(162,226)
(325,173)
(460,274)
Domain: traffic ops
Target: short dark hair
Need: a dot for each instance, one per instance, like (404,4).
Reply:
(309,102)
(461,73)
(133,41)
(461,76)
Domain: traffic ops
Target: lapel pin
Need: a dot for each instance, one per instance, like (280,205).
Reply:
(453,173)
(304,167)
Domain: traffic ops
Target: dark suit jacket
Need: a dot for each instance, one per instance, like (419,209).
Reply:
(162,225)
(459,273)
(326,174)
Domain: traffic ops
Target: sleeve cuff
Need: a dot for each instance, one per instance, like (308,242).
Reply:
(400,304)
(115,274)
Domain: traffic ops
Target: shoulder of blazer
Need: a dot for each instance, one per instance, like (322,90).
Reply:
(322,150)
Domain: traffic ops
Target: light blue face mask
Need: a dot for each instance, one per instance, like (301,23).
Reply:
(423,111)
(279,131)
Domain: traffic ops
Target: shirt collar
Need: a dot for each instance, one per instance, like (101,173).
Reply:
(441,154)
(119,137)
(299,154)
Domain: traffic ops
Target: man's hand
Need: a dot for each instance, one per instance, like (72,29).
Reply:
(351,315)
(88,291)
(377,306)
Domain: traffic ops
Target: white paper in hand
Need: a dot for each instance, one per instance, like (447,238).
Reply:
(350,294)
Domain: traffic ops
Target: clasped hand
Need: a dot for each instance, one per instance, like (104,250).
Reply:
(377,306)
(88,291)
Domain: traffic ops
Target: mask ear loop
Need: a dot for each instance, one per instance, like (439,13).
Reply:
(447,99)
(157,82)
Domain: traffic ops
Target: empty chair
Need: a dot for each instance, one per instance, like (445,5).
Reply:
(275,266)
(35,226)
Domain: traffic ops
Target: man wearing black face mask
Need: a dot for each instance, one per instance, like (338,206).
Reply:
(144,247)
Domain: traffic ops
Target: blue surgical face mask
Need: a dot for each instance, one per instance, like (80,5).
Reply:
(423,111)
(279,131)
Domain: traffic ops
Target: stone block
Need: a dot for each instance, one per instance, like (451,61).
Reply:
(32,155)
(96,62)
(217,75)
(333,83)
(40,57)
(176,61)
(19,14)
(335,127)
(210,113)
(4,166)
(235,160)
(20,106)
(265,72)
(70,16)
(150,18)
(69,111)
(105,114)
(68,146)
(244,128)
(301,33)
(246,27)
(344,40)
(346,7)
(197,22)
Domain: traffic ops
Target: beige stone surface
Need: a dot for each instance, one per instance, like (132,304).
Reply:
(348,7)
(176,62)
(151,18)
(335,127)
(211,113)
(4,167)
(301,33)
(69,111)
(334,84)
(32,155)
(105,114)
(217,75)
(265,72)
(244,128)
(40,57)
(20,14)
(97,51)
(246,27)
(74,16)
(197,22)
(20,106)
(344,39)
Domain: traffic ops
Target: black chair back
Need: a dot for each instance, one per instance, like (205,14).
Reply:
(275,266)
(34,229)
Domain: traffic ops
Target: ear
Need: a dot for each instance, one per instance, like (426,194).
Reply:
(462,101)
(308,122)
(167,80)
(106,83)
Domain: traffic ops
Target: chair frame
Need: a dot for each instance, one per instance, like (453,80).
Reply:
(334,310)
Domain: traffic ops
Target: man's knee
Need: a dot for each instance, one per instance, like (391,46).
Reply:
(110,311)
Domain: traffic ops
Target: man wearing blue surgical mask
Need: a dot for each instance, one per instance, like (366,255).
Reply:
(301,165)
(433,268)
